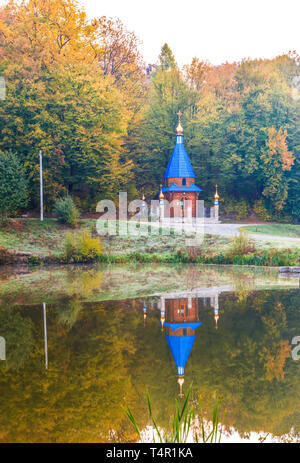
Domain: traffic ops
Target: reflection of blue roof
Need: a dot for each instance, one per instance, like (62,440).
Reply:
(181,347)
(179,164)
(175,326)
(174,187)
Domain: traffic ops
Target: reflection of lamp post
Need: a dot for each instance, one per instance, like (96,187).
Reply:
(45,335)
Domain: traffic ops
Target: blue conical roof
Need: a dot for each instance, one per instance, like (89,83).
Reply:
(179,164)
(181,347)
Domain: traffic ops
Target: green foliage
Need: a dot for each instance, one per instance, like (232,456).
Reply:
(66,212)
(13,185)
(242,244)
(261,211)
(239,209)
(166,58)
(81,247)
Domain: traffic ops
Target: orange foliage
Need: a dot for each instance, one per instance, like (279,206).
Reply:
(277,145)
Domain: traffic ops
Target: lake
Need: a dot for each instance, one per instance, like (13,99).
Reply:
(78,343)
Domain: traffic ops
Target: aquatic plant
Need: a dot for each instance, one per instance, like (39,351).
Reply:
(185,423)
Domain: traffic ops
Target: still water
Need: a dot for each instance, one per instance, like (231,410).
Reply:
(106,334)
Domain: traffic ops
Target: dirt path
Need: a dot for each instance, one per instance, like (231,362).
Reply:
(228,229)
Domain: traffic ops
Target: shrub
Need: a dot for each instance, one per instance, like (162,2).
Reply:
(241,245)
(66,212)
(81,247)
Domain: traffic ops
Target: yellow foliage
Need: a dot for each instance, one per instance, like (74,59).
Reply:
(81,247)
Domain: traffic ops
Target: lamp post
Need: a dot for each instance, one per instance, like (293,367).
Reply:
(41,187)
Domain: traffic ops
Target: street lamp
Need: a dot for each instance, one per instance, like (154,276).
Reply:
(41,186)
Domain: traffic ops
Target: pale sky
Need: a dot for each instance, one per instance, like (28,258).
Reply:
(213,30)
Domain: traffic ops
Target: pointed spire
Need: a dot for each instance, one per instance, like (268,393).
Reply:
(179,129)
(180,381)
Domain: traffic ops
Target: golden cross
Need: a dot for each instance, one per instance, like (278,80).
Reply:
(179,114)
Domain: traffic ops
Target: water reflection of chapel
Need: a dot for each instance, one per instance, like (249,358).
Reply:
(179,316)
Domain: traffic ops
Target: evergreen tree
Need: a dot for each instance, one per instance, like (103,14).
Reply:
(13,185)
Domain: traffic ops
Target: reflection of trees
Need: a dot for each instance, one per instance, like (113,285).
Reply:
(17,331)
(68,312)
(103,355)
(247,360)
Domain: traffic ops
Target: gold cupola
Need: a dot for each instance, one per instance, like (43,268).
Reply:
(216,317)
(162,322)
(217,197)
(179,129)
(161,195)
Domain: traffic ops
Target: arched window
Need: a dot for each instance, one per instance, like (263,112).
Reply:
(184,181)
(181,203)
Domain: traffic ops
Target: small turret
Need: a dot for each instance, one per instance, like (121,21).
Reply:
(162,322)
(217,197)
(216,317)
(161,195)
(145,313)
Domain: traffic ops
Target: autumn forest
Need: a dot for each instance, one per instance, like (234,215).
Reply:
(80,90)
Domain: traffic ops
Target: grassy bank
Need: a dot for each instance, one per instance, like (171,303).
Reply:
(34,242)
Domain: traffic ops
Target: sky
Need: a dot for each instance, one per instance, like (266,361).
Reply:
(213,30)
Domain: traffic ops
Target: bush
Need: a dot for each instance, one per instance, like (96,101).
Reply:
(261,211)
(241,245)
(66,212)
(81,247)
(239,209)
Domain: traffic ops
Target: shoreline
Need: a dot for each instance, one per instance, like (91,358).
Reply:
(257,259)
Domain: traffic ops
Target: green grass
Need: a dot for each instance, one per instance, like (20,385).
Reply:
(47,238)
(45,241)
(285,230)
(33,236)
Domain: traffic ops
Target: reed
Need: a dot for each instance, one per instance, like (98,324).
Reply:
(185,424)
